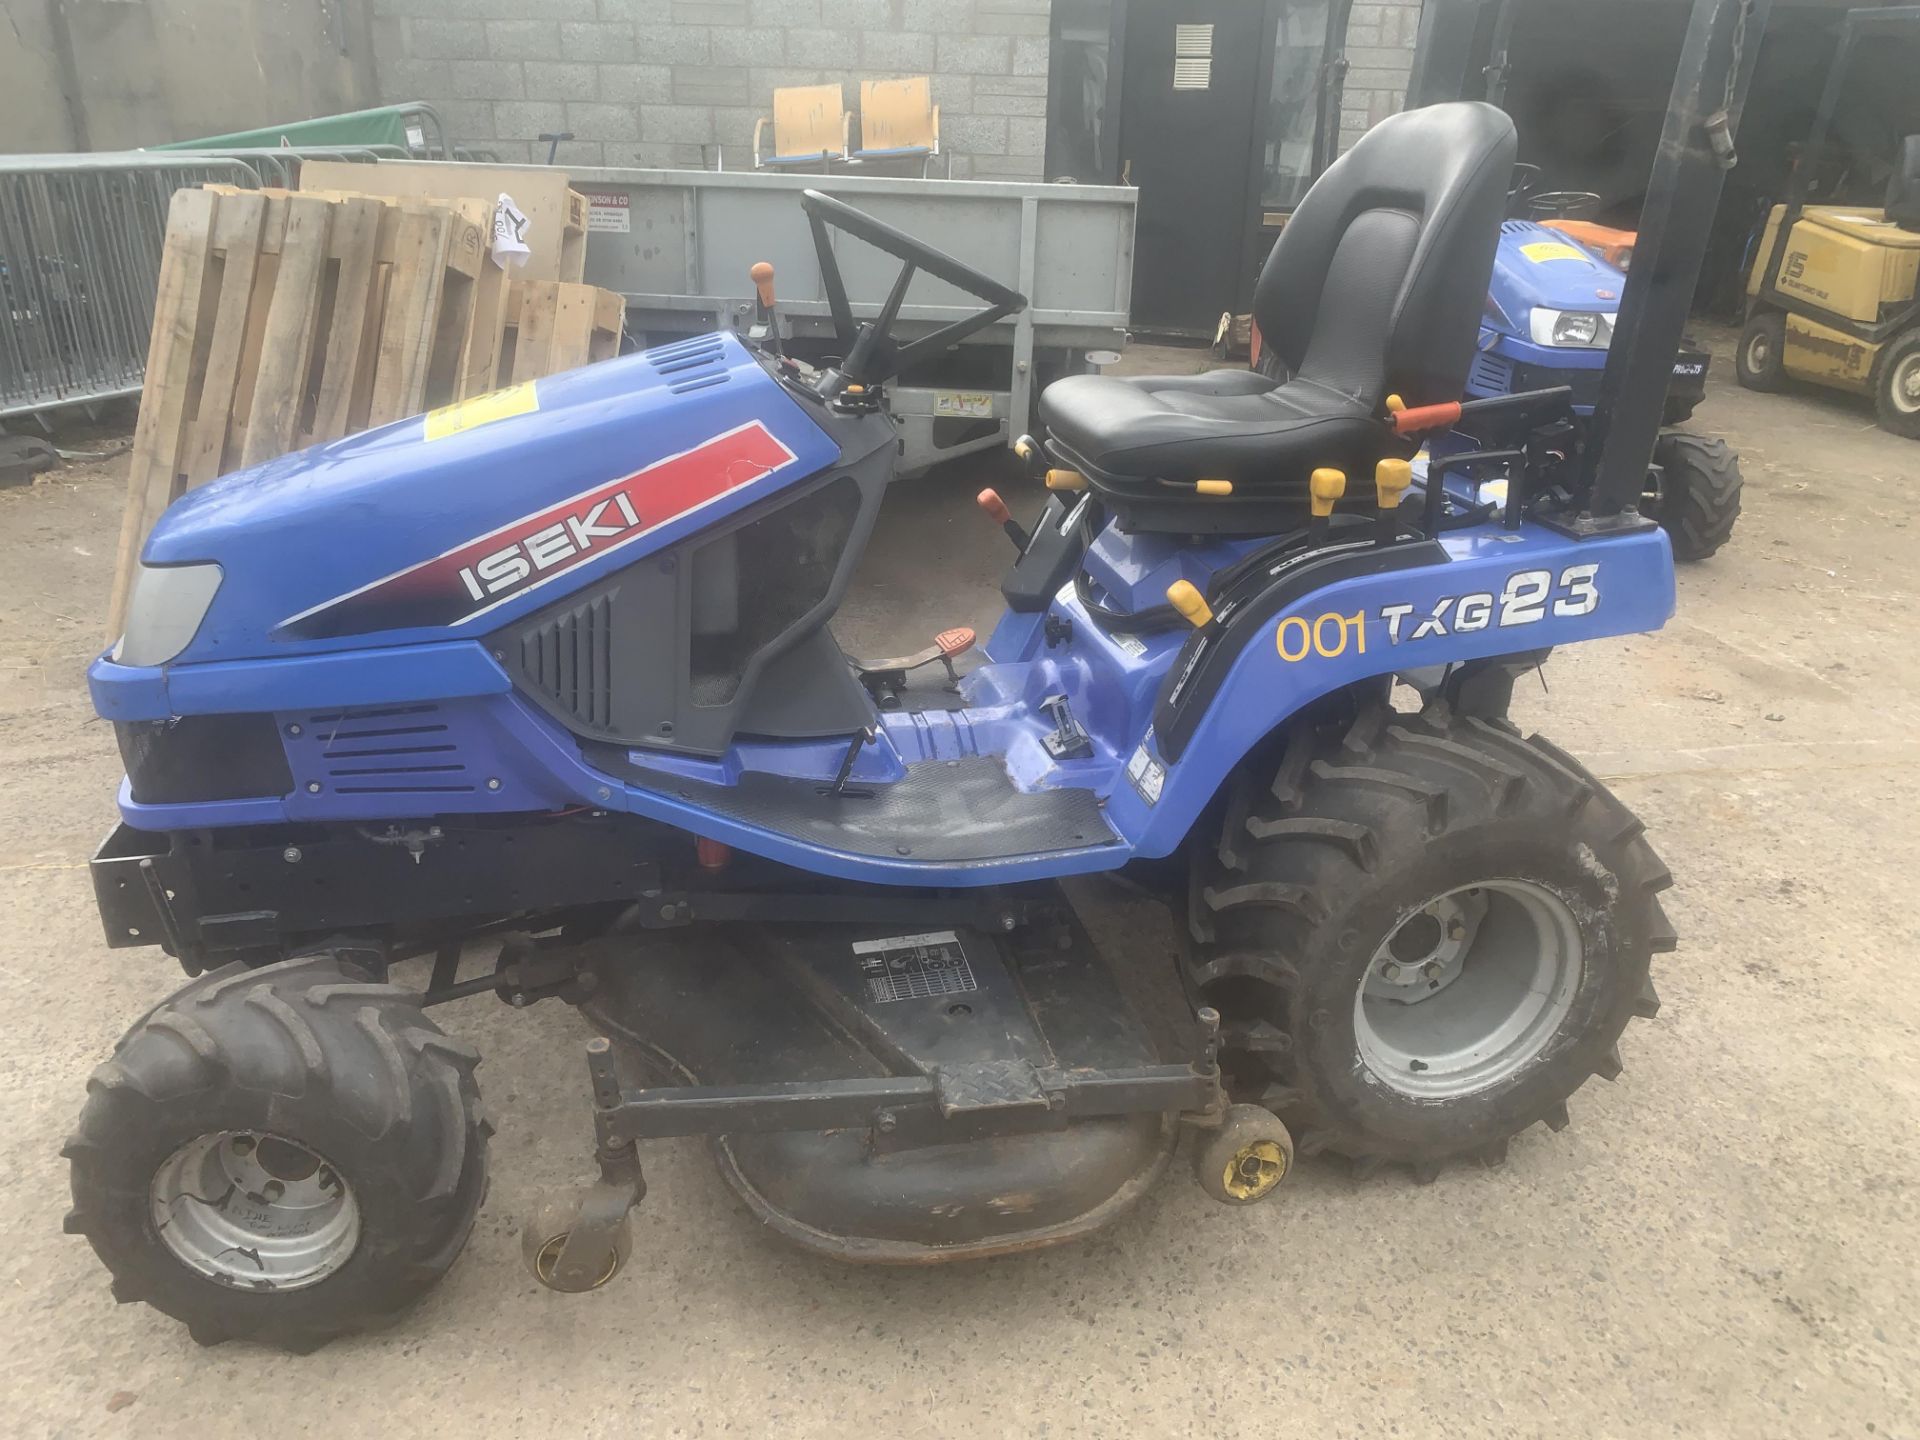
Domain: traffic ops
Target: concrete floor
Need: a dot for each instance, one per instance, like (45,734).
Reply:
(1722,1244)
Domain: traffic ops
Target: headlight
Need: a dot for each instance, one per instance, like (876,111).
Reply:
(164,609)
(1578,329)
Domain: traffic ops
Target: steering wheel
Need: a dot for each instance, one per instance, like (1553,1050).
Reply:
(1520,188)
(872,355)
(1563,205)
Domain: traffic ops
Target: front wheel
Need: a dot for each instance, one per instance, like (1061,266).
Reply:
(1760,362)
(283,1155)
(1424,934)
(1896,385)
(1693,490)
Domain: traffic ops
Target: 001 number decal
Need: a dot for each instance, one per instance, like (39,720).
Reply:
(1527,596)
(1325,636)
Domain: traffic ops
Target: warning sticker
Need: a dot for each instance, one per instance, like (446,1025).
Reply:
(1147,774)
(1127,644)
(963,404)
(609,210)
(519,399)
(909,967)
(1551,250)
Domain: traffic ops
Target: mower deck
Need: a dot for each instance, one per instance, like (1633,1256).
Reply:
(899,1098)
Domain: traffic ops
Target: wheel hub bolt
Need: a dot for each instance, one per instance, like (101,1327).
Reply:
(1430,969)
(1456,931)
(1390,970)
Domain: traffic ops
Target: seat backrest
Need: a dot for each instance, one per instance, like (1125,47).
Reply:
(896,114)
(1377,284)
(809,120)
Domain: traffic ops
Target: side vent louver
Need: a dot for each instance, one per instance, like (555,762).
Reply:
(571,658)
(397,750)
(691,364)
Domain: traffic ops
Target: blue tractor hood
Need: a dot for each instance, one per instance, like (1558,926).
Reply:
(454,523)
(1537,266)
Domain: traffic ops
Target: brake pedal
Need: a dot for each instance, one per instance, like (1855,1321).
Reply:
(889,677)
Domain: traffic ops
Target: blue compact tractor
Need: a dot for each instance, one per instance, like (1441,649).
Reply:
(539,697)
(1551,311)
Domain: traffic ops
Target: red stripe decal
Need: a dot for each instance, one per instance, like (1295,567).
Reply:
(526,553)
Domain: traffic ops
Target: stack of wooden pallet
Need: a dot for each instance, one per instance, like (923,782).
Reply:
(291,319)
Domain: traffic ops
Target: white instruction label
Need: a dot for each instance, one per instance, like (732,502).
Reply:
(609,210)
(1147,775)
(914,967)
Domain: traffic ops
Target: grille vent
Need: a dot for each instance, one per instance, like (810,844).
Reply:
(398,750)
(691,364)
(1192,57)
(571,659)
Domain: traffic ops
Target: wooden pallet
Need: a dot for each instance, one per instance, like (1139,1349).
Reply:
(555,326)
(556,213)
(285,319)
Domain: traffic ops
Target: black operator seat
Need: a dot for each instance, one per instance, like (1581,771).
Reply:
(1375,287)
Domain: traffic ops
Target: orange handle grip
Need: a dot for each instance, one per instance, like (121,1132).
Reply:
(995,507)
(1426,417)
(762,274)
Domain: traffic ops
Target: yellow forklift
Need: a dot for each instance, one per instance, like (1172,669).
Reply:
(1832,297)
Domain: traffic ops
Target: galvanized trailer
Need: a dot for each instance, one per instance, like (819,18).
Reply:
(678,244)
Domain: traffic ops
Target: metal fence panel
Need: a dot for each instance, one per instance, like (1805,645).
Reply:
(80,242)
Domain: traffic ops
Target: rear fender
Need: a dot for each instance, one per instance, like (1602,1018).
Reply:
(1274,650)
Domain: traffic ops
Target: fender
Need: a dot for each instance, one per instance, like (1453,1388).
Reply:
(1485,593)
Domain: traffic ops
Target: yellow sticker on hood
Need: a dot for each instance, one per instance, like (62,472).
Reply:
(482,410)
(1551,250)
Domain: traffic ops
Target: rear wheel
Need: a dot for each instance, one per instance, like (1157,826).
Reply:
(282,1155)
(1896,385)
(1694,492)
(1424,934)
(1760,362)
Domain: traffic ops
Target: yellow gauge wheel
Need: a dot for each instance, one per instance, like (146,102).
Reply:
(1254,1170)
(1246,1158)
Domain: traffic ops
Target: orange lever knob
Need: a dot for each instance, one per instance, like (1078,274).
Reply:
(762,274)
(996,508)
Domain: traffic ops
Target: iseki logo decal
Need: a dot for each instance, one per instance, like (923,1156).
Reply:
(525,554)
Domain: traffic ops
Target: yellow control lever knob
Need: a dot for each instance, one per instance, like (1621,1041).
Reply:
(1066,480)
(1190,603)
(1390,481)
(1395,404)
(1326,487)
(1213,487)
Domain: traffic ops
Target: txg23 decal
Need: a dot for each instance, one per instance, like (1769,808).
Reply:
(1526,597)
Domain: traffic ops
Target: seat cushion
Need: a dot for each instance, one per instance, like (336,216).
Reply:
(1226,424)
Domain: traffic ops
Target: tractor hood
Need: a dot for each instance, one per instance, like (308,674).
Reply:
(1535,266)
(453,523)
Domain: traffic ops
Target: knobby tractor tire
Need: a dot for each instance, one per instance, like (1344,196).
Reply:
(1699,494)
(1320,860)
(308,1051)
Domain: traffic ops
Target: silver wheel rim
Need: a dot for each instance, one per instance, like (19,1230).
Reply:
(1906,385)
(254,1210)
(1469,989)
(1759,348)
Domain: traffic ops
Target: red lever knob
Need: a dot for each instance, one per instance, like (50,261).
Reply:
(996,508)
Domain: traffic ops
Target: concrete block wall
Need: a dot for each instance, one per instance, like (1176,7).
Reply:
(662,82)
(1381,35)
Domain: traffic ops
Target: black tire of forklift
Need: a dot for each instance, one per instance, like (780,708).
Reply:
(1697,499)
(1319,862)
(311,1051)
(1896,370)
(1760,363)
